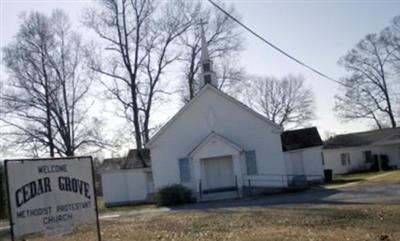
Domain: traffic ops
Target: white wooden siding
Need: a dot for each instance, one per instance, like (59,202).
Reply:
(332,157)
(210,113)
(126,186)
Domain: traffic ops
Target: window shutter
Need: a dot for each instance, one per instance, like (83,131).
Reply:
(251,162)
(184,169)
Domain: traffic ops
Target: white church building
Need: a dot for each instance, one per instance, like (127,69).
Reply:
(216,145)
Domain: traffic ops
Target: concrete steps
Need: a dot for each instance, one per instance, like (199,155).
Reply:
(219,196)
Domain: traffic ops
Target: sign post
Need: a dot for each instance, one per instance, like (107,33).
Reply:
(51,196)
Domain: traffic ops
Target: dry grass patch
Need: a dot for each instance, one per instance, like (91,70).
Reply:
(327,222)
(366,178)
(392,177)
(385,178)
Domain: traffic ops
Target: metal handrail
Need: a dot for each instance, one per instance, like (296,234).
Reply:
(285,179)
(237,185)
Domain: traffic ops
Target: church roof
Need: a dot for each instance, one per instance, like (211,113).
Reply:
(131,161)
(206,88)
(212,136)
(301,138)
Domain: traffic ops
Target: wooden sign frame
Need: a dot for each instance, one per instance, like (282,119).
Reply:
(10,216)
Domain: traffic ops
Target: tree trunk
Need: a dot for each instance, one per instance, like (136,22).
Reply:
(191,73)
(48,113)
(390,111)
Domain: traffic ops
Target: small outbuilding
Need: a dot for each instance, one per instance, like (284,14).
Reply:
(127,180)
(303,154)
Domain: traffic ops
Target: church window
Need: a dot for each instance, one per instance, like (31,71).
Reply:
(251,162)
(184,169)
(345,159)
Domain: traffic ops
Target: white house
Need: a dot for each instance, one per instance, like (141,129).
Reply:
(216,144)
(360,151)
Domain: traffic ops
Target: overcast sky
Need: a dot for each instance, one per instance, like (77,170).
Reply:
(317,32)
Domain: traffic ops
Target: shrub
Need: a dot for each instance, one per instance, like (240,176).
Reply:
(173,195)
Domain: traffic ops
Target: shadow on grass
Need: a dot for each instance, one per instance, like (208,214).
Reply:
(307,197)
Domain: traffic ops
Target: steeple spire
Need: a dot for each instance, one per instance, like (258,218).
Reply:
(207,74)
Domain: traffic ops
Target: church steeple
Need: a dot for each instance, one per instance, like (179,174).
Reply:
(207,74)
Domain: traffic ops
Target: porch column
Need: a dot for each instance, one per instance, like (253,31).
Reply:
(237,170)
(196,175)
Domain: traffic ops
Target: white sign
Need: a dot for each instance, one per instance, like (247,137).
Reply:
(50,194)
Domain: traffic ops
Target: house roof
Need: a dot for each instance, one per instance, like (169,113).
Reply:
(301,138)
(211,136)
(110,164)
(365,138)
(206,88)
(131,161)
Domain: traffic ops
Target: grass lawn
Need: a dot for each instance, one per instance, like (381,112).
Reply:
(103,209)
(317,222)
(392,177)
(340,179)
(372,222)
(356,176)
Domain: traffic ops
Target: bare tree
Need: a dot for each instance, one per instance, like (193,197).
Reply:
(73,79)
(286,102)
(161,38)
(225,42)
(44,101)
(138,38)
(369,89)
(391,38)
(123,26)
(26,104)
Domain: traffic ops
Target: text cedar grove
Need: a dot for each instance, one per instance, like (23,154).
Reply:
(43,185)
